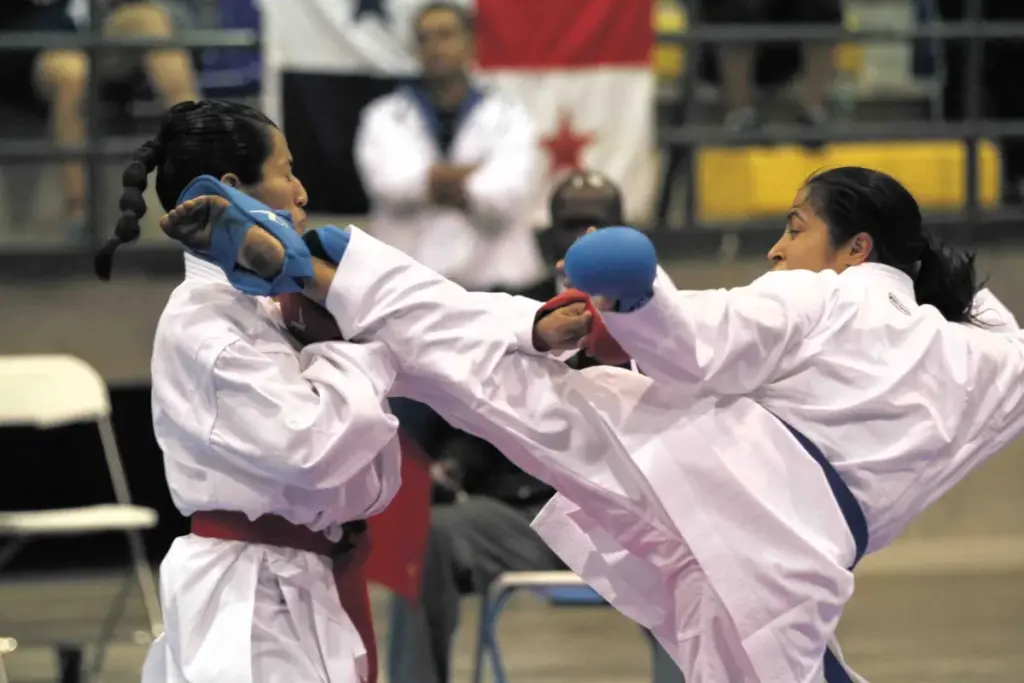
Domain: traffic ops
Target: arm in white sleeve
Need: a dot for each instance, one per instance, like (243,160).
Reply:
(993,410)
(313,424)
(499,192)
(387,154)
(725,341)
(458,356)
(993,315)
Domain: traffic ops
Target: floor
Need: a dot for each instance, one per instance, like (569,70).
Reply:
(962,625)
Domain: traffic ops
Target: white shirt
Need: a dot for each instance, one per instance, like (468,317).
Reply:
(247,422)
(880,384)
(491,244)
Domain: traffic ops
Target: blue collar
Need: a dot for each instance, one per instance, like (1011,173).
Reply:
(421,99)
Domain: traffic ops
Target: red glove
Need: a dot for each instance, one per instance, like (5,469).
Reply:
(600,345)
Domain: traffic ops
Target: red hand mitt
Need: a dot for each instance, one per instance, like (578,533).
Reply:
(600,344)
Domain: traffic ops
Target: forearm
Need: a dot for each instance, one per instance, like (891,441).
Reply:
(317,287)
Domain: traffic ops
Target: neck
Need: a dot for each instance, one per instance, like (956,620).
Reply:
(447,92)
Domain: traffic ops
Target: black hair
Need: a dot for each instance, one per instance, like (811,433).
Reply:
(195,138)
(465,17)
(851,200)
(587,194)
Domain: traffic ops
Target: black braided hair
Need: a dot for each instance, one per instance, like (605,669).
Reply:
(132,204)
(195,138)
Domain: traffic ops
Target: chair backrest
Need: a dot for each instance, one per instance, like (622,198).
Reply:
(48,391)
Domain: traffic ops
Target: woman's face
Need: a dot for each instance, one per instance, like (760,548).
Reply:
(279,189)
(806,245)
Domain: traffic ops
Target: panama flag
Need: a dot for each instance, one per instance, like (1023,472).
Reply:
(583,68)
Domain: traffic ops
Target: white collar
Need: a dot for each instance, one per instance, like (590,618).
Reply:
(198,269)
(897,279)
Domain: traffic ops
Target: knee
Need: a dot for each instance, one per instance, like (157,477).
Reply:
(62,74)
(141,19)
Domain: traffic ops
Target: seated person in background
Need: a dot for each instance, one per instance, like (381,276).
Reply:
(741,66)
(482,527)
(54,81)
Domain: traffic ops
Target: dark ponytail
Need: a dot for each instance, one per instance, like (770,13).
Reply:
(947,280)
(132,204)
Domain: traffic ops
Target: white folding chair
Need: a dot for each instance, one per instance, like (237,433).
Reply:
(7,646)
(49,391)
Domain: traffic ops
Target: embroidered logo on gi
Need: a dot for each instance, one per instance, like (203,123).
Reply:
(898,304)
(298,324)
(271,215)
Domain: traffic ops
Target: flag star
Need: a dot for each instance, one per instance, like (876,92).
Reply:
(565,145)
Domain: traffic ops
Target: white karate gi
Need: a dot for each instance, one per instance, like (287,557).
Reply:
(687,504)
(249,423)
(490,245)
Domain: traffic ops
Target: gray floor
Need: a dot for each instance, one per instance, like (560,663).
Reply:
(961,626)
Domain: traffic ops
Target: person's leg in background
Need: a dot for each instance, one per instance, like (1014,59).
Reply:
(736,61)
(470,544)
(818,71)
(171,72)
(663,668)
(59,79)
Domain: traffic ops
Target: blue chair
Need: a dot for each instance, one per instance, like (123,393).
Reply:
(558,588)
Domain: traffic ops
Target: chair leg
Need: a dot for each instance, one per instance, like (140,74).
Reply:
(69,663)
(497,664)
(487,643)
(7,646)
(143,571)
(147,583)
(108,627)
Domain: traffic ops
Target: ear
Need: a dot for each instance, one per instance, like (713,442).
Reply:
(860,248)
(231,180)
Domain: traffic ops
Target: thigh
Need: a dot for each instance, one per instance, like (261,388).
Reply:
(489,537)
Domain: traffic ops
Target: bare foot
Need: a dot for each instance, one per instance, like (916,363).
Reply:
(192,223)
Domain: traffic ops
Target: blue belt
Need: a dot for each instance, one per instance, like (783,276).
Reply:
(855,520)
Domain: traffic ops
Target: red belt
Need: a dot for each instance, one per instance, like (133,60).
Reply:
(348,557)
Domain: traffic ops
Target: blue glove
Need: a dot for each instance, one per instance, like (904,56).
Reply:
(229,234)
(617,263)
(328,243)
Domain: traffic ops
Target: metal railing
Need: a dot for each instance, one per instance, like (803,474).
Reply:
(679,140)
(95,45)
